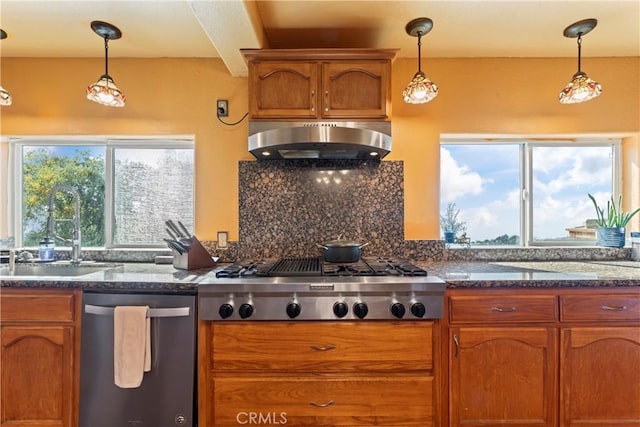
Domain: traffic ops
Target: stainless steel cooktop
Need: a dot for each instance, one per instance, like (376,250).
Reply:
(311,289)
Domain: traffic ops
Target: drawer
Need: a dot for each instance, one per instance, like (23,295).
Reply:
(599,307)
(322,346)
(498,309)
(39,306)
(345,401)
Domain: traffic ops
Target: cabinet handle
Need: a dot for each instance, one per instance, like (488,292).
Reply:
(326,100)
(321,405)
(322,348)
(618,308)
(313,101)
(503,310)
(456,342)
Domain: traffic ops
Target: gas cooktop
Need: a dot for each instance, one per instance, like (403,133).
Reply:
(316,266)
(373,288)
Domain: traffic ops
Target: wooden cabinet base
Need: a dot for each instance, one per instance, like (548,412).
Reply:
(317,373)
(542,357)
(39,358)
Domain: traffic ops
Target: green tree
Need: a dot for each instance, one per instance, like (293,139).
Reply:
(41,172)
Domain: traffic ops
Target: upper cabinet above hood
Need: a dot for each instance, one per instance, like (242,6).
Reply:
(319,103)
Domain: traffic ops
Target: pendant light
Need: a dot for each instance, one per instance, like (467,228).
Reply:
(420,89)
(5,97)
(581,88)
(105,91)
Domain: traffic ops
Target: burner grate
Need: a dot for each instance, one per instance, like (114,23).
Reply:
(297,267)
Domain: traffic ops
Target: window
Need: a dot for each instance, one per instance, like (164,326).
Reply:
(127,189)
(522,192)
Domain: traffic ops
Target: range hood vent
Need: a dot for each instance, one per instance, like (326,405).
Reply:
(319,140)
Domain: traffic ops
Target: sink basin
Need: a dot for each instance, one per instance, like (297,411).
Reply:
(55,270)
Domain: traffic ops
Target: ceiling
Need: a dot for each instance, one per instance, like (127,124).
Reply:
(220,28)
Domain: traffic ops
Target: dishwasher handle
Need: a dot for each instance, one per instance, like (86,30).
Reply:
(153,312)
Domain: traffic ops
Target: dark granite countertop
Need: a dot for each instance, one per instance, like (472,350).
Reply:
(146,277)
(536,274)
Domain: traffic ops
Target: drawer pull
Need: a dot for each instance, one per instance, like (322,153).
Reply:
(618,308)
(326,100)
(313,101)
(322,348)
(321,405)
(503,310)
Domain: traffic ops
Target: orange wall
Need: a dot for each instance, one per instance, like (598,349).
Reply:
(177,97)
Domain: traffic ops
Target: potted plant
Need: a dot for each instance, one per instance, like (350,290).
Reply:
(450,223)
(610,230)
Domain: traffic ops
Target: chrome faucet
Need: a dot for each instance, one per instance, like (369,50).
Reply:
(51,221)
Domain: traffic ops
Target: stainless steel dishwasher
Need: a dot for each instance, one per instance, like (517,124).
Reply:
(167,395)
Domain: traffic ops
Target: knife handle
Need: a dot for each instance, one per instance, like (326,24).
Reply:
(184,229)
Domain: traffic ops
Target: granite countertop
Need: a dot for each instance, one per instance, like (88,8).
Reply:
(536,274)
(147,277)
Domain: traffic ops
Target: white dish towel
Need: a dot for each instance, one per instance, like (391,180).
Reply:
(131,345)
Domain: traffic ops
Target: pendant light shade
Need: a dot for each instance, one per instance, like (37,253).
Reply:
(5,96)
(105,91)
(420,89)
(581,88)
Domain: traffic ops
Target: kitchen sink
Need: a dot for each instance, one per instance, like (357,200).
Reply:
(56,270)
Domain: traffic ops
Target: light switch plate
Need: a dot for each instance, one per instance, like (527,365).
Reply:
(223,240)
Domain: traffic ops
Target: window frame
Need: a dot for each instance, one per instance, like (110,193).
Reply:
(110,143)
(526,146)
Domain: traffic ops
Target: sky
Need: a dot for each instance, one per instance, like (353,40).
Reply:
(484,182)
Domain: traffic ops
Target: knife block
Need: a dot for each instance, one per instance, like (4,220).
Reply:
(197,257)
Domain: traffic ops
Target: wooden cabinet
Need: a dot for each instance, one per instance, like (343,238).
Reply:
(502,374)
(550,357)
(338,84)
(599,361)
(317,373)
(40,357)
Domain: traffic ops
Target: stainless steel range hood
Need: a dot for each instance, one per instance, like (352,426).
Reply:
(319,140)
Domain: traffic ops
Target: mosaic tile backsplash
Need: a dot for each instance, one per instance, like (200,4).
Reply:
(287,207)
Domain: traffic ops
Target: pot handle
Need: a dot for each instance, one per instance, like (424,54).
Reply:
(364,244)
(321,246)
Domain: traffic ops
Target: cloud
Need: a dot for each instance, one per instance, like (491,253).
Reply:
(457,180)
(569,167)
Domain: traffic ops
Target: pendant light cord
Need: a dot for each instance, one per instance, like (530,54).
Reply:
(419,50)
(106,56)
(579,51)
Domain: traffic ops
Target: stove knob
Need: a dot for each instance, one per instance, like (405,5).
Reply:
(418,310)
(293,310)
(397,309)
(245,310)
(360,309)
(340,309)
(226,310)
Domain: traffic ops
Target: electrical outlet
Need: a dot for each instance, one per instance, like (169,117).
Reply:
(223,108)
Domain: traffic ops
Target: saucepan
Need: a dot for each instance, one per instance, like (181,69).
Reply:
(342,251)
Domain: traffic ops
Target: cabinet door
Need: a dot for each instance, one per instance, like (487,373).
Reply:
(355,89)
(283,89)
(502,376)
(600,376)
(37,375)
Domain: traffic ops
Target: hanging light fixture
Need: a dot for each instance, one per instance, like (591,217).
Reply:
(420,89)
(105,91)
(581,88)
(5,97)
